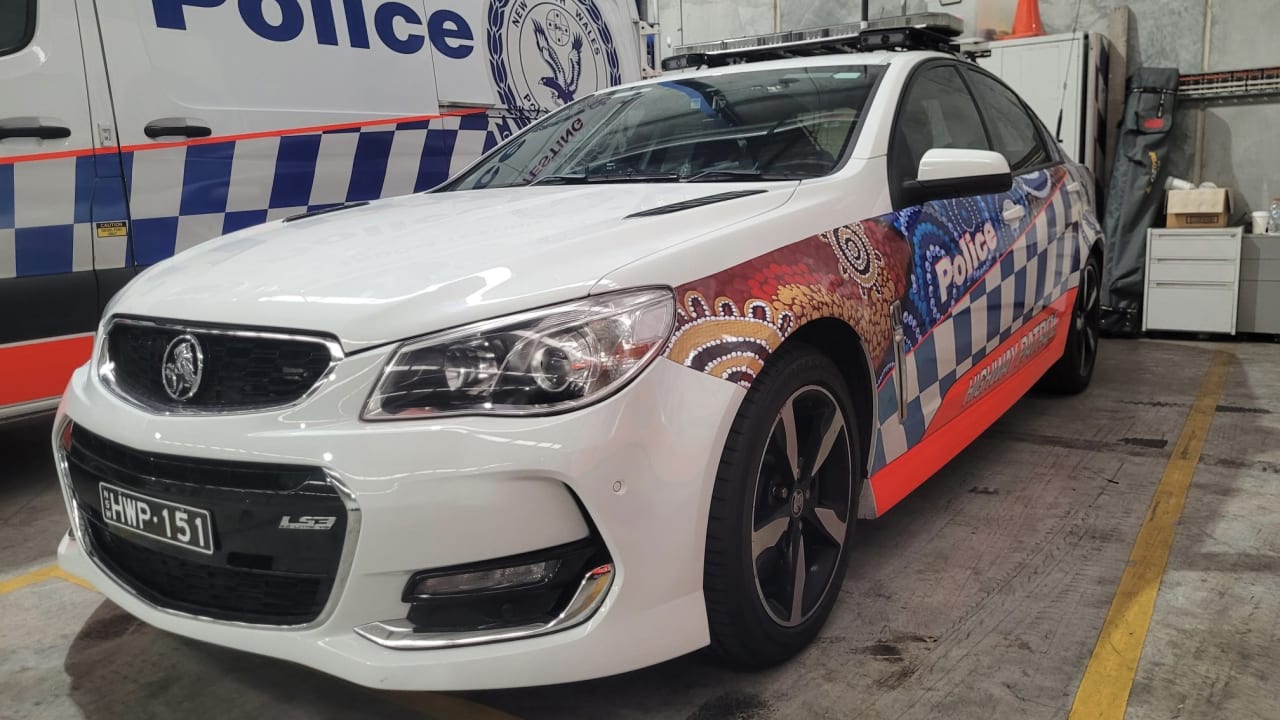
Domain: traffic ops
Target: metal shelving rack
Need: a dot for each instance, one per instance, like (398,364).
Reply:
(1235,84)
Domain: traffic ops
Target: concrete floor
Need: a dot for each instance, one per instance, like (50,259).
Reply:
(981,596)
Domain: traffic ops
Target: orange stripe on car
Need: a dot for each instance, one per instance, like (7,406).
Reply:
(944,439)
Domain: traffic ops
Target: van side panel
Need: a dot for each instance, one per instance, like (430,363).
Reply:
(61,207)
(187,193)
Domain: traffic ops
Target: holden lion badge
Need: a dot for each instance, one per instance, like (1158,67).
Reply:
(182,367)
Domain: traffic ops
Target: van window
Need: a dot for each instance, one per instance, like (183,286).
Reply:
(17,24)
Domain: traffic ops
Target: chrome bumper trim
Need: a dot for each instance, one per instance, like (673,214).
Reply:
(400,635)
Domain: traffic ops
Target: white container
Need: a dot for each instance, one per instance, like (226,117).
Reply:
(1260,220)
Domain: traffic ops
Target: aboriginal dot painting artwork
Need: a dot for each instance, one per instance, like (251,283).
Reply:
(927,257)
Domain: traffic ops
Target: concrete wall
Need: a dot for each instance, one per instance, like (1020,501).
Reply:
(1241,142)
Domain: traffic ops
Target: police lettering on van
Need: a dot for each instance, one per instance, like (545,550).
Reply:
(396,25)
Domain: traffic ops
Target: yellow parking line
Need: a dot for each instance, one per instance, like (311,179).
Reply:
(1108,678)
(64,575)
(40,575)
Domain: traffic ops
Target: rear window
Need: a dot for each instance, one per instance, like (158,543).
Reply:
(17,24)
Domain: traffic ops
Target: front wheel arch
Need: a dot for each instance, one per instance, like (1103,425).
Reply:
(840,343)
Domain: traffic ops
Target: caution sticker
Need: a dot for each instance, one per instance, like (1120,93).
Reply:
(115,228)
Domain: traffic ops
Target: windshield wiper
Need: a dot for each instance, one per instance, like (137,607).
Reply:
(582,178)
(712,175)
(567,179)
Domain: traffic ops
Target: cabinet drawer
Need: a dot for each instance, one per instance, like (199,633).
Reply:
(1180,270)
(1194,247)
(1191,308)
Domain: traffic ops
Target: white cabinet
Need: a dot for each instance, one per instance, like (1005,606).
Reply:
(1192,280)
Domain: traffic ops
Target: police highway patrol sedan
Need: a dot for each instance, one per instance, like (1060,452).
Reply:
(617,392)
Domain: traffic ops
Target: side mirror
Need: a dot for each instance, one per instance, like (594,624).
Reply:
(945,174)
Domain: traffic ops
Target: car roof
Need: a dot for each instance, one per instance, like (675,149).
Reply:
(879,57)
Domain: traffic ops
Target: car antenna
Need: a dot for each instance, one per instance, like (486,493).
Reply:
(1071,48)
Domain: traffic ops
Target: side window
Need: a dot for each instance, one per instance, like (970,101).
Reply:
(1014,132)
(937,112)
(17,24)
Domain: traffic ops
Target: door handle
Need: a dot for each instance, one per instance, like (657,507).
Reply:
(1014,213)
(1074,187)
(43,132)
(170,127)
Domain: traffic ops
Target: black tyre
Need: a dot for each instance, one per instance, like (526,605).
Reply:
(1071,374)
(783,511)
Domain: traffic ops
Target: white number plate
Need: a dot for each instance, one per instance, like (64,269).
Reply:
(173,523)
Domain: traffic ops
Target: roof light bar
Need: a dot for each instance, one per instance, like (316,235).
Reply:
(922,31)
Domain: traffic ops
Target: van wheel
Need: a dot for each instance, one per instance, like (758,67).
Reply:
(1074,370)
(782,511)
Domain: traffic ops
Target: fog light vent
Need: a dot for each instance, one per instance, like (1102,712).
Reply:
(506,578)
(531,589)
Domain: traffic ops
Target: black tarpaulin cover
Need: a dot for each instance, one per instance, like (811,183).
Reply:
(1135,195)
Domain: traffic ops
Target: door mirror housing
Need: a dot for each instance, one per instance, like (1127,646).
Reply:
(945,174)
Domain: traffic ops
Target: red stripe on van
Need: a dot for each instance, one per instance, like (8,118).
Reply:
(40,370)
(141,147)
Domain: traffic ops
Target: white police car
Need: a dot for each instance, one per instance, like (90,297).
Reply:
(617,392)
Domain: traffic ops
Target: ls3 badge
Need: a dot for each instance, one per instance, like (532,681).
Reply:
(308,522)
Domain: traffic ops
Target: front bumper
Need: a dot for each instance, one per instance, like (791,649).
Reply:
(452,491)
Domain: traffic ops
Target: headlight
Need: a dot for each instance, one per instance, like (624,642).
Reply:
(537,362)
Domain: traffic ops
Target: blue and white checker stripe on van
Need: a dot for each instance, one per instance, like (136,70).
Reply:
(44,232)
(223,187)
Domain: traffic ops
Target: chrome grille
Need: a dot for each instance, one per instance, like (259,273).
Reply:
(241,369)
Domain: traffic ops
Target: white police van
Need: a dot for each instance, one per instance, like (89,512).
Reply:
(131,130)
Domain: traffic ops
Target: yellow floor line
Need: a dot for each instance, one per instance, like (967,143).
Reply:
(64,575)
(40,575)
(1108,678)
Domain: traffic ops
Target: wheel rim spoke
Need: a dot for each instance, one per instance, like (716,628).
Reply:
(828,441)
(831,524)
(788,420)
(768,535)
(799,571)
(1085,318)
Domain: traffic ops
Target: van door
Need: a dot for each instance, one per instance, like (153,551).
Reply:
(232,113)
(48,179)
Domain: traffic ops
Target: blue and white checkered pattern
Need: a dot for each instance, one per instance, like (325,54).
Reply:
(1030,276)
(233,185)
(43,232)
(183,195)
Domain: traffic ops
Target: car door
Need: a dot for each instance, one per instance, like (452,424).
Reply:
(939,327)
(60,201)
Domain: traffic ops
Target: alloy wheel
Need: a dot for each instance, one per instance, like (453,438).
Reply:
(1087,318)
(801,506)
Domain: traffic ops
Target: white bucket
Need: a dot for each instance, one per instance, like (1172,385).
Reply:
(1260,220)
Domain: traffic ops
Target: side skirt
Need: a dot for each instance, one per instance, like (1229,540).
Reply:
(965,413)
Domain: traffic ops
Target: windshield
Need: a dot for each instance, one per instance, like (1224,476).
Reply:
(761,125)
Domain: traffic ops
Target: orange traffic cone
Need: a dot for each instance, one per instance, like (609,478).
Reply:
(1026,21)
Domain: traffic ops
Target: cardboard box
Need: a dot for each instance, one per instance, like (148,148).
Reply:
(1199,208)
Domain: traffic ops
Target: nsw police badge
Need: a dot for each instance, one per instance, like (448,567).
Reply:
(546,53)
